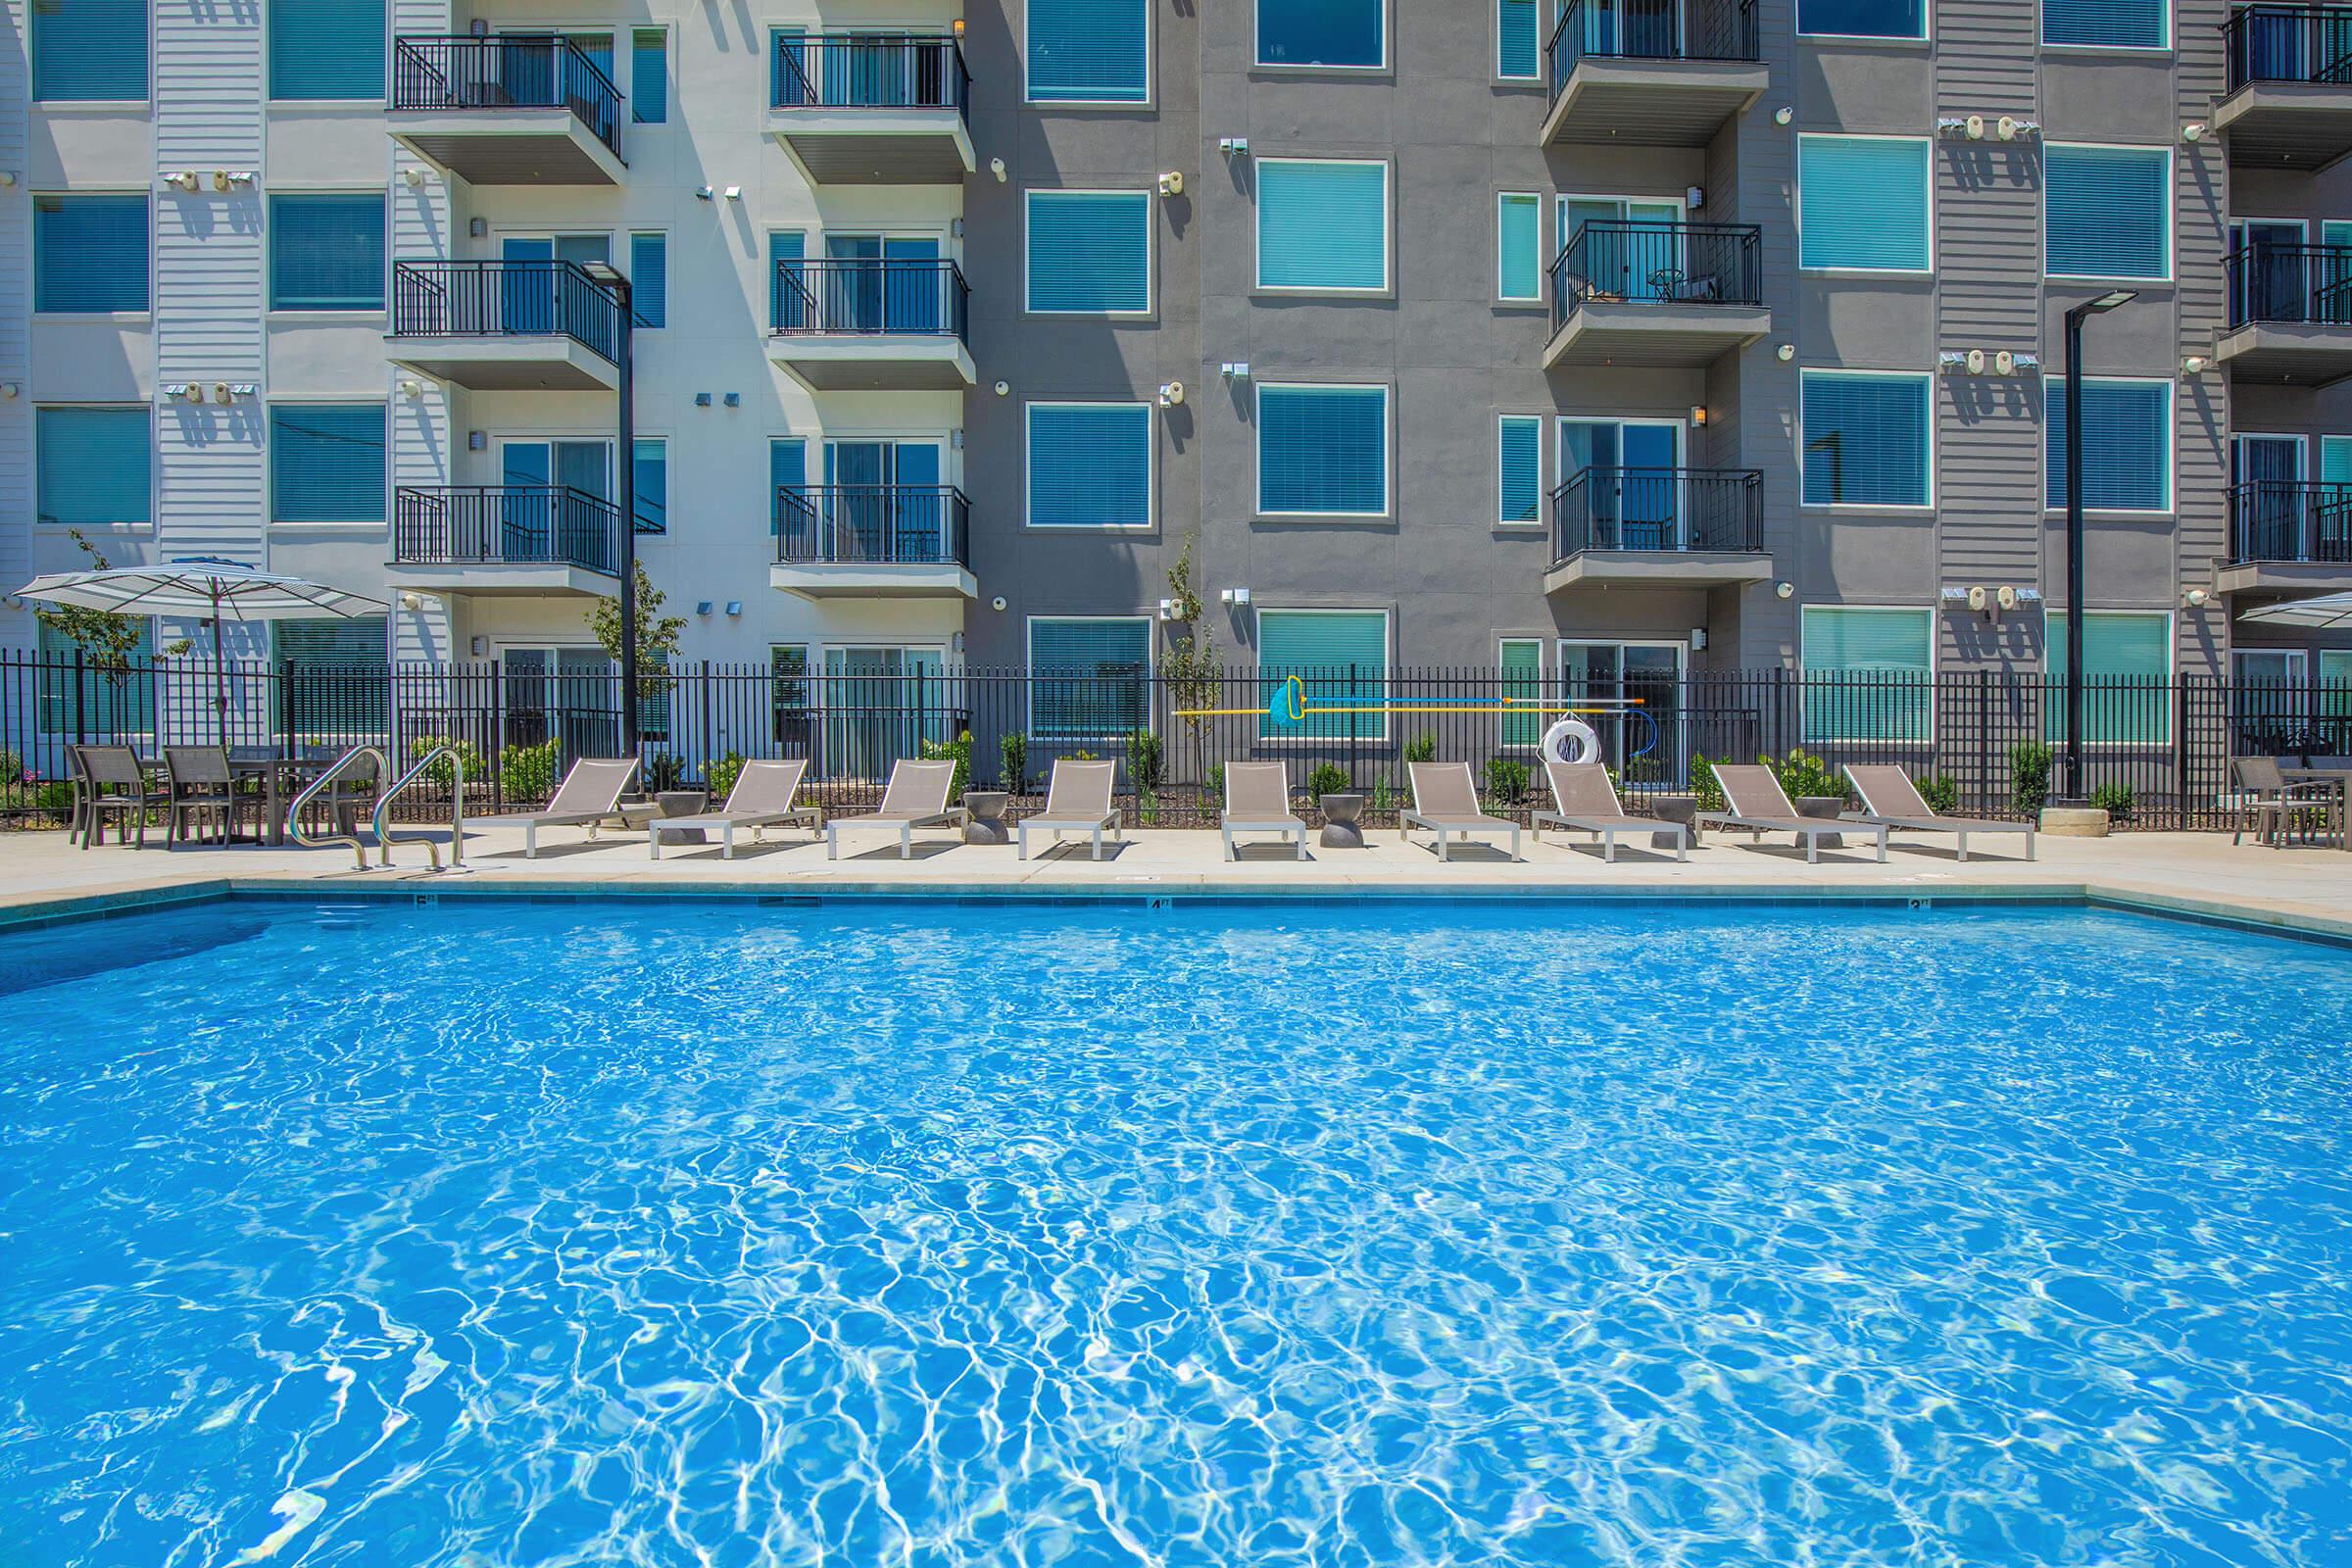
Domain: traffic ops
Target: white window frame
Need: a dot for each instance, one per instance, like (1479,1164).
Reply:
(1502,728)
(1387,666)
(2172,204)
(1926,34)
(1388,440)
(1543,492)
(1029,198)
(2172,25)
(1503,200)
(1912,508)
(32,253)
(2171,409)
(269,407)
(1150,469)
(2297,660)
(1388,47)
(1388,232)
(155,476)
(1796,173)
(1029,685)
(1151,97)
(270,255)
(1545,15)
(1805,671)
(2172,666)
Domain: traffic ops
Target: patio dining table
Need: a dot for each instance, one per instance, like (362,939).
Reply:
(2339,804)
(282,778)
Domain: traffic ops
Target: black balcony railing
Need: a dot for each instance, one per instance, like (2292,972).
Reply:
(869,70)
(441,75)
(2290,520)
(505,299)
(918,298)
(1658,509)
(1650,29)
(872,524)
(2290,43)
(2290,285)
(508,525)
(1657,264)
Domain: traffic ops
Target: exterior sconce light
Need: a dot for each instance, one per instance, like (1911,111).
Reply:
(1698,415)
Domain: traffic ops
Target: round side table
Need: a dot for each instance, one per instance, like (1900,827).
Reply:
(984,821)
(1341,830)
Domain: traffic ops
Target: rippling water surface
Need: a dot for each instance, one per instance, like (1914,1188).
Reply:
(1535,1234)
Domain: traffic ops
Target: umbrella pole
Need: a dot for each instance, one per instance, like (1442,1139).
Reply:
(220,676)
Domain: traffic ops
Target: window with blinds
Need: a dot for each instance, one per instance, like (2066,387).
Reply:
(1090,51)
(787,280)
(90,254)
(1341,659)
(1519,246)
(1520,442)
(1323,449)
(327,462)
(2107,212)
(326,49)
(337,677)
(95,468)
(1521,660)
(1322,225)
(1863,19)
(1869,674)
(89,51)
(2108,24)
(1090,677)
(1090,465)
(787,470)
(650,461)
(1862,203)
(2127,444)
(1089,253)
(332,642)
(101,704)
(1866,438)
(326,253)
(1518,41)
(1323,33)
(649,279)
(2127,677)
(649,76)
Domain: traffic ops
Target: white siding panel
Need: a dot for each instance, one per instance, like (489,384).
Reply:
(15,307)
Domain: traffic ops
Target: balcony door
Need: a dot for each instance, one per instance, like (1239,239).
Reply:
(1643,732)
(1632,472)
(564,693)
(1639,263)
(889,288)
(2271,281)
(531,299)
(880,704)
(549,510)
(887,503)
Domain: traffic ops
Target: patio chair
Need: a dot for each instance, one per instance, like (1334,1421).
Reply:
(1586,802)
(1077,800)
(1890,799)
(761,798)
(2266,799)
(1445,803)
(915,796)
(118,784)
(1755,800)
(589,797)
(201,784)
(1257,800)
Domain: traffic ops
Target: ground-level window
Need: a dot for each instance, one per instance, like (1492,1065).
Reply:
(1340,658)
(2127,673)
(2335,682)
(1090,677)
(1868,673)
(336,675)
(789,675)
(1521,661)
(103,704)
(1632,695)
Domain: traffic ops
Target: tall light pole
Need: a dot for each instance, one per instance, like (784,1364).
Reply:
(2074,529)
(614,283)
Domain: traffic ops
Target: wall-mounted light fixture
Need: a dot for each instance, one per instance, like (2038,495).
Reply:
(415,175)
(1783,114)
(9,391)
(1784,353)
(1171,184)
(734,193)
(734,606)
(702,606)
(477,226)
(1235,370)
(184,180)
(8,178)
(1698,415)
(411,389)
(1234,146)
(703,193)
(2197,598)
(2193,132)
(996,166)
(1238,598)
(702,400)
(1171,395)
(2194,365)
(477,441)
(1784,590)
(1003,389)
(733,400)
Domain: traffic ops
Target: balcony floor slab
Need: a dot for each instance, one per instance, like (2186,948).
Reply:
(873,580)
(508,146)
(1657,568)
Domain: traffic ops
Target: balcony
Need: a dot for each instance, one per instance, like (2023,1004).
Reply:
(872,325)
(873,108)
(2289,103)
(873,541)
(1658,528)
(2291,315)
(515,109)
(2288,537)
(506,540)
(504,326)
(1648,295)
(1651,72)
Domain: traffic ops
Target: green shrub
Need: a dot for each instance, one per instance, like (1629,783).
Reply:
(957,750)
(1144,761)
(1506,781)
(1422,748)
(528,773)
(1802,773)
(57,794)
(1702,782)
(1216,781)
(12,767)
(2029,777)
(1328,778)
(1014,751)
(719,777)
(441,773)
(665,770)
(2116,800)
(1941,792)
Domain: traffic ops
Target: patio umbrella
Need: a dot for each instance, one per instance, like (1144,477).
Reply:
(2327,611)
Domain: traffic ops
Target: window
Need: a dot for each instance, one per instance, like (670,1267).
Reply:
(648,455)
(2127,677)
(103,704)
(1090,465)
(327,462)
(649,279)
(1521,661)
(1323,449)
(2127,444)
(1341,659)
(2335,458)
(649,76)
(2335,682)
(1862,203)
(1866,438)
(1863,19)
(1868,673)
(90,254)
(1519,246)
(1090,677)
(1322,32)
(1090,51)
(326,49)
(788,470)
(1521,485)
(2107,212)
(93,468)
(1322,225)
(89,50)
(339,675)
(1090,252)
(788,297)
(326,253)
(1518,41)
(2108,24)
(788,677)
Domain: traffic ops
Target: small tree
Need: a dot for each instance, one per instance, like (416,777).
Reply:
(656,635)
(1191,663)
(108,639)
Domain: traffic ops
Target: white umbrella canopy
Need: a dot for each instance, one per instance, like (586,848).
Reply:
(2327,610)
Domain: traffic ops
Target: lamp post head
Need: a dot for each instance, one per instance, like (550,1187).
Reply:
(2102,304)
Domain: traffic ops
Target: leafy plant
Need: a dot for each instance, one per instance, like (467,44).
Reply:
(665,772)
(2029,777)
(1328,778)
(441,773)
(1144,761)
(1801,773)
(719,777)
(657,636)
(1216,780)
(1702,782)
(1941,792)
(1383,794)
(1189,666)
(2116,800)
(1014,751)
(1422,748)
(1506,781)
(528,773)
(959,752)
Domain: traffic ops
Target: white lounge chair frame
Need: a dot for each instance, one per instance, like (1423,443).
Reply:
(1579,791)
(591,779)
(770,779)
(916,796)
(1257,800)
(1445,803)
(1766,810)
(1077,800)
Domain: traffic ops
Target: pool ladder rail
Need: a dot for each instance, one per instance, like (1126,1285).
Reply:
(381,823)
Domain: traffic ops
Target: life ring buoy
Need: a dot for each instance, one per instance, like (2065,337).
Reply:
(1558,738)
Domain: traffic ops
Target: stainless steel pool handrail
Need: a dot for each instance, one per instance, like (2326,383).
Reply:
(456,810)
(342,763)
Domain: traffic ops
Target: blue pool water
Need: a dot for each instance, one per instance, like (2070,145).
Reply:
(1388,1234)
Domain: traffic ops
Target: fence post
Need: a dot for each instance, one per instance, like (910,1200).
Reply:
(1355,700)
(1981,801)
(1780,710)
(285,710)
(2181,752)
(496,738)
(706,690)
(82,699)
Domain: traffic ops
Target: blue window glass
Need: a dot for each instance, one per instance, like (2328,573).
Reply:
(2107,23)
(326,253)
(649,76)
(787,301)
(651,454)
(1323,449)
(2127,668)
(1091,677)
(1866,439)
(95,468)
(1090,465)
(1518,39)
(1862,203)
(326,49)
(1322,225)
(104,703)
(2127,444)
(1521,440)
(1090,252)
(90,253)
(339,675)
(1341,656)
(648,278)
(1090,51)
(327,462)
(1518,246)
(787,470)
(1864,19)
(2107,212)
(1889,654)
(1322,32)
(89,50)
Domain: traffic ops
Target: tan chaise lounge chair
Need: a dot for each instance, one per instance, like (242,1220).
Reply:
(1587,803)
(915,796)
(1257,800)
(1078,800)
(1445,803)
(1755,800)
(589,797)
(1890,799)
(761,798)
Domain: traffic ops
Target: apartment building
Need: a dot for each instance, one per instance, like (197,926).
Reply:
(1607,339)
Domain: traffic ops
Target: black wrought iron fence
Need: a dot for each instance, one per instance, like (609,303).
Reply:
(2288,43)
(1649,30)
(505,299)
(1632,262)
(870,295)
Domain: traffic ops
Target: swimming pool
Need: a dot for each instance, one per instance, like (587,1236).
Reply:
(1533,1233)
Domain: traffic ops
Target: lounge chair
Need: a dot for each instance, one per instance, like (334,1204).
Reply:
(1257,800)
(1586,801)
(761,798)
(1755,800)
(589,797)
(1445,803)
(1078,800)
(915,796)
(1890,799)
(117,783)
